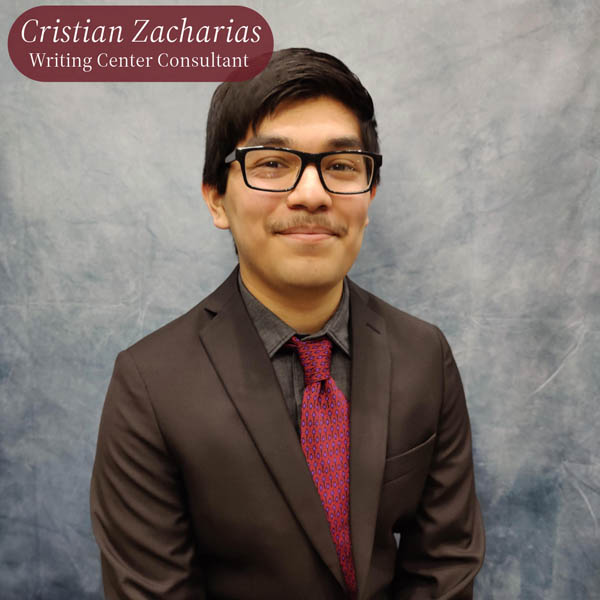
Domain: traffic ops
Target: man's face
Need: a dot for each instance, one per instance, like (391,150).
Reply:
(307,238)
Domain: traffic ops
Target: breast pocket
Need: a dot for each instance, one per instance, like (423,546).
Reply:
(417,457)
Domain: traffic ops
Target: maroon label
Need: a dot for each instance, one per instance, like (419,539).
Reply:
(140,43)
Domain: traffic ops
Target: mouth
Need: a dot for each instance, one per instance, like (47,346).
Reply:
(308,233)
(307,230)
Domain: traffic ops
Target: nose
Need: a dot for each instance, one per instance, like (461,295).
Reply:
(309,193)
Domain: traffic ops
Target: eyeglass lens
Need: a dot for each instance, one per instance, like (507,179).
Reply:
(277,170)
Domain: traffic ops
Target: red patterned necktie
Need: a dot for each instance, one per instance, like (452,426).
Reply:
(325,439)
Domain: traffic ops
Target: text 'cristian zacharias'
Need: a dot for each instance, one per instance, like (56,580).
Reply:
(140,43)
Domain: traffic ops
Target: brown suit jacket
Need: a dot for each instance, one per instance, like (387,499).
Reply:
(200,488)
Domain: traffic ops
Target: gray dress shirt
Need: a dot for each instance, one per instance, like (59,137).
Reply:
(286,364)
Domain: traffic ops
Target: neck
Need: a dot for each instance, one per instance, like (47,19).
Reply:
(305,310)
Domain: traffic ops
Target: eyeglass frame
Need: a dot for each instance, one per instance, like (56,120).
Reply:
(307,158)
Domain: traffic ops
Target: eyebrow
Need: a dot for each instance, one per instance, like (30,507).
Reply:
(339,143)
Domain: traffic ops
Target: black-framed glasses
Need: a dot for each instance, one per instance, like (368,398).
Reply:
(272,169)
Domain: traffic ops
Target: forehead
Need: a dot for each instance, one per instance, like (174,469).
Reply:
(311,121)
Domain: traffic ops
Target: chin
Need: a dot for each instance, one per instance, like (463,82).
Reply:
(307,277)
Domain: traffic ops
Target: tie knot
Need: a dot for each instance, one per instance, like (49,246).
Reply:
(315,357)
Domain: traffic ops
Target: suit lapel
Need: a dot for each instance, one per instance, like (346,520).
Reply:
(370,396)
(239,357)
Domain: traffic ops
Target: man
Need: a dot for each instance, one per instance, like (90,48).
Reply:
(292,436)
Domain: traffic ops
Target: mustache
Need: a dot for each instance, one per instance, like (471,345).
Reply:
(305,220)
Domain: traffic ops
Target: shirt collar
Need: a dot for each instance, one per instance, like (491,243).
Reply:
(275,333)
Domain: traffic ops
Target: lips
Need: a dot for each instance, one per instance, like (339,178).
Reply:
(307,230)
(311,234)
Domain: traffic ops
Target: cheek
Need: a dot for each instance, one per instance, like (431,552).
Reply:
(360,217)
(251,220)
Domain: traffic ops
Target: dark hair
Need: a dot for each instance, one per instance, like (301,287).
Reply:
(292,74)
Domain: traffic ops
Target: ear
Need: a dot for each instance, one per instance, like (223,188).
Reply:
(372,195)
(214,201)
(373,192)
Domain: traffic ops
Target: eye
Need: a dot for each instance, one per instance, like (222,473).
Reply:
(341,165)
(265,164)
(273,163)
(269,160)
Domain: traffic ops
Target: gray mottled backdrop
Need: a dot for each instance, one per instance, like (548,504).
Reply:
(487,223)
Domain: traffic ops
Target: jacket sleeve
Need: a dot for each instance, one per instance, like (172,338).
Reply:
(442,548)
(138,508)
